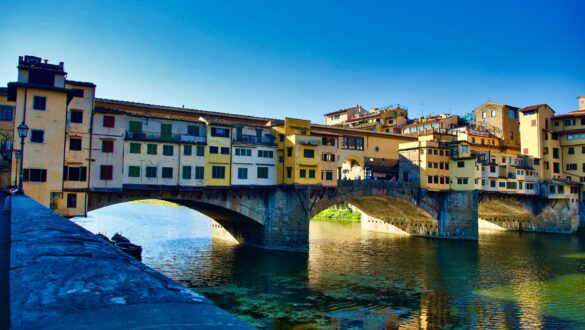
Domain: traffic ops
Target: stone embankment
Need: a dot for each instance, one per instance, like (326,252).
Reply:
(64,277)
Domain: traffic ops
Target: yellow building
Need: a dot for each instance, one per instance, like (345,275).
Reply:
(41,102)
(6,137)
(301,163)
(218,153)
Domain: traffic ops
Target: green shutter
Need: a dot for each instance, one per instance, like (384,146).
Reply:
(151,149)
(134,148)
(135,126)
(134,171)
(166,131)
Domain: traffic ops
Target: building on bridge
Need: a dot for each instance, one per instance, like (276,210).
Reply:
(79,144)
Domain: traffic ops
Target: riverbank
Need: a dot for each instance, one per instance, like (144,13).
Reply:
(338,215)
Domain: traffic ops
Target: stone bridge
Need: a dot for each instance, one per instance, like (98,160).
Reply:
(278,217)
(528,213)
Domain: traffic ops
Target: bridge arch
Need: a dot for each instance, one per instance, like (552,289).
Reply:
(242,214)
(401,205)
(527,213)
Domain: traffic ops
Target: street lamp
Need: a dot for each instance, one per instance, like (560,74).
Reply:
(22,132)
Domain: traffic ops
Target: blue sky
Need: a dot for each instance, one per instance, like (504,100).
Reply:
(305,58)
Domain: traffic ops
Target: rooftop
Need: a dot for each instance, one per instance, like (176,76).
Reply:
(356,107)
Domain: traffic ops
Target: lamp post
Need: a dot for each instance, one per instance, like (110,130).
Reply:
(22,132)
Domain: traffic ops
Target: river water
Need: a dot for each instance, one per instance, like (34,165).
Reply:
(358,279)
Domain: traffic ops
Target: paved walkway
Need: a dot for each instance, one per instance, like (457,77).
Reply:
(64,277)
(4,265)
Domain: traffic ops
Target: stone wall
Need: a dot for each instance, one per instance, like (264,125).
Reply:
(61,275)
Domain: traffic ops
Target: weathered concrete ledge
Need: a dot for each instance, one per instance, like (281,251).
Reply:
(64,277)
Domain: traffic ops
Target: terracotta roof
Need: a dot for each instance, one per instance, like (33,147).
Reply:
(342,130)
(216,120)
(3,90)
(576,113)
(80,83)
(184,110)
(344,110)
(534,107)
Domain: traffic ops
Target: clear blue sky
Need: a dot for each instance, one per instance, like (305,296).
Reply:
(303,59)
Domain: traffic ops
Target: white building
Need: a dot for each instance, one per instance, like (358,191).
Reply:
(253,156)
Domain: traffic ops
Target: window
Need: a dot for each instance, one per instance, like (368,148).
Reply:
(460,164)
(109,121)
(492,183)
(193,130)
(200,150)
(187,150)
(483,115)
(265,153)
(328,141)
(218,172)
(311,174)
(225,150)
(571,167)
(151,149)
(134,147)
(556,167)
(511,113)
(34,175)
(39,103)
(107,146)
(502,184)
(245,152)
(462,180)
(242,173)
(71,201)
(213,150)
(289,172)
(199,172)
(262,172)
(37,136)
(571,151)
(75,173)
(5,113)
(135,126)
(289,151)
(281,159)
(150,172)
(281,137)
(168,150)
(220,132)
(134,171)
(570,122)
(556,153)
(106,172)
(352,143)
(75,144)
(329,175)
(167,173)
(303,173)
(308,153)
(493,113)
(166,131)
(76,116)
(561,190)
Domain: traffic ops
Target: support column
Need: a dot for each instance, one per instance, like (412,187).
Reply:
(287,223)
(458,217)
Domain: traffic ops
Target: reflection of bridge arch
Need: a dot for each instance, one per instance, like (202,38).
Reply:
(240,213)
(526,212)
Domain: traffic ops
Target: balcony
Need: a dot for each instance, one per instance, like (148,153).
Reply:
(248,139)
(177,138)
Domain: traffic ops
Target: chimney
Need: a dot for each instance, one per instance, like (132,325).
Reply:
(581,102)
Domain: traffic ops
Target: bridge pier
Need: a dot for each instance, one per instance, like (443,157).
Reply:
(458,215)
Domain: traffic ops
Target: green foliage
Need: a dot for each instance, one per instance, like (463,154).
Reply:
(338,215)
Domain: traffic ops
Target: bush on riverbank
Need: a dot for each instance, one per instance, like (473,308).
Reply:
(340,215)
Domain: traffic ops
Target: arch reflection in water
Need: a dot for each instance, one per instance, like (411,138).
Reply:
(356,278)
